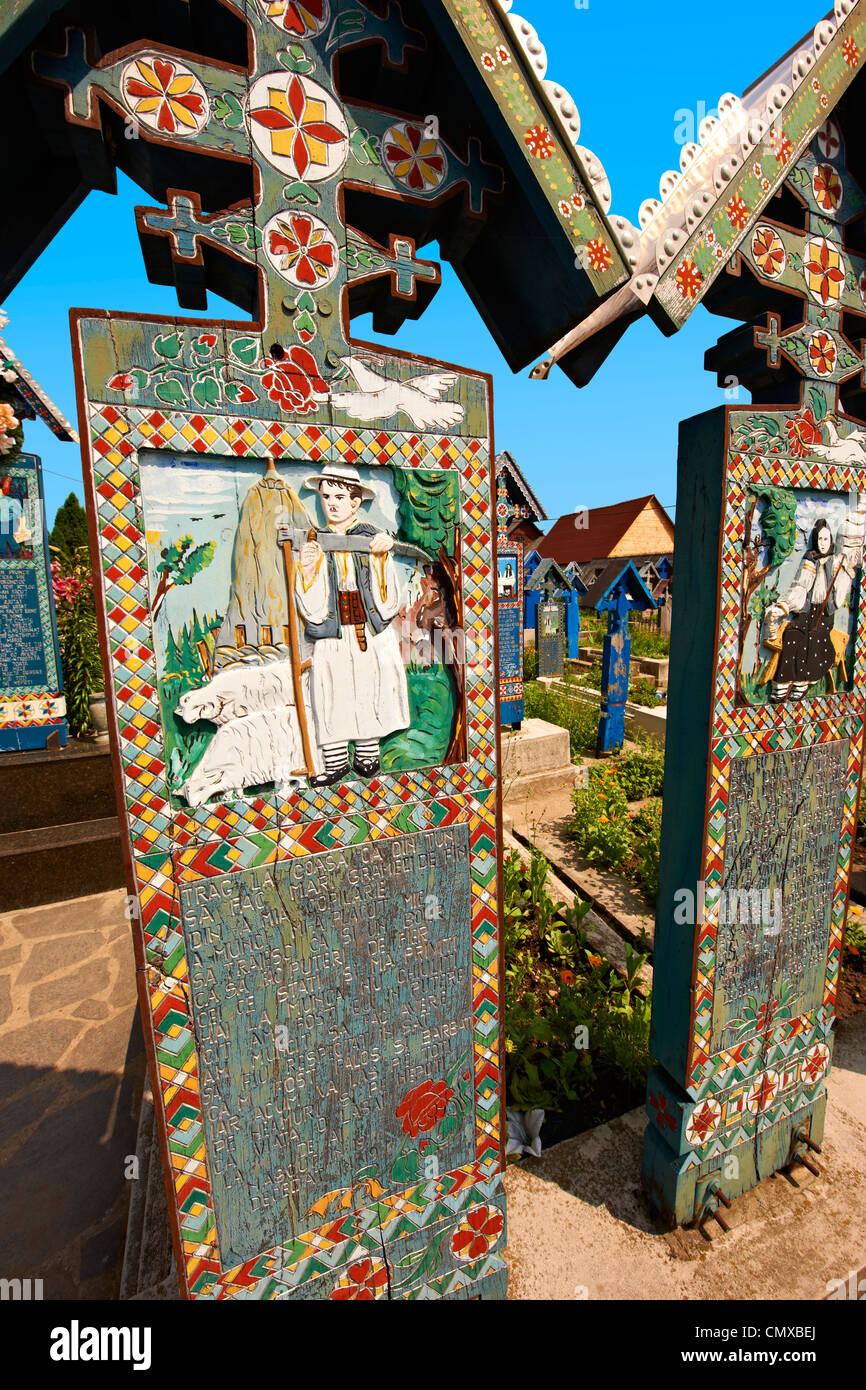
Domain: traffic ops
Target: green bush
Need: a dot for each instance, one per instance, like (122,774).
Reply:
(530,663)
(554,985)
(647,828)
(641,774)
(607,833)
(643,692)
(650,644)
(600,823)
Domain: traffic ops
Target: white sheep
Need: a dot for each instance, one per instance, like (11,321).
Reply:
(249,752)
(237,691)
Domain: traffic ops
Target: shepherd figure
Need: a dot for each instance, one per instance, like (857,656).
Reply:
(348,600)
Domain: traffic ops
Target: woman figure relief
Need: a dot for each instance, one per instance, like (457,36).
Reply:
(799,628)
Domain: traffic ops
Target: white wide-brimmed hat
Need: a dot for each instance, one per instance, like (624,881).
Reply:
(338,473)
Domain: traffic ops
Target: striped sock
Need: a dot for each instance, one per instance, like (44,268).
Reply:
(335,755)
(368,749)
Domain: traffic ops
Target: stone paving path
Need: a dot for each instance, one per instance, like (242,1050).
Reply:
(71,1074)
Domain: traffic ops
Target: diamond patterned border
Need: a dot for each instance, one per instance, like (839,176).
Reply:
(169,844)
(744,731)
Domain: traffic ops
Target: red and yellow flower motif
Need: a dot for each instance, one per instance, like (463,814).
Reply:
(780,145)
(688,279)
(295,382)
(827,187)
(488,61)
(738,213)
(803,432)
(503,54)
(539,141)
(302,249)
(822,353)
(769,251)
(477,1234)
(300,17)
(850,53)
(825,277)
(364,1281)
(165,96)
(664,1118)
(828,140)
(599,255)
(413,157)
(300,133)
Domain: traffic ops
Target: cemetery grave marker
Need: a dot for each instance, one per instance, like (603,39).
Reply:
(32,704)
(623,594)
(763,222)
(288,522)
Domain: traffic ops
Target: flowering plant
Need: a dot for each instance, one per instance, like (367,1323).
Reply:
(72,582)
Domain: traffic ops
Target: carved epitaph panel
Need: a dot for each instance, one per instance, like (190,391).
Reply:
(324,990)
(550,637)
(781,849)
(32,705)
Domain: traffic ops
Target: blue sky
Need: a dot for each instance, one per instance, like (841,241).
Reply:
(632,71)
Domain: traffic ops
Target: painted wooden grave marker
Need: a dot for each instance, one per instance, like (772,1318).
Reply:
(625,593)
(766,693)
(759,223)
(296,543)
(32,703)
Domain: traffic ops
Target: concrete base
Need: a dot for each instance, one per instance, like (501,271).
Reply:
(579,1225)
(536,759)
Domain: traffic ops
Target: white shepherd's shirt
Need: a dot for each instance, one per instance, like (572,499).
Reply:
(355,694)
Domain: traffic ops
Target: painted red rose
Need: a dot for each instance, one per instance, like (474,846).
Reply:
(803,432)
(295,382)
(121,382)
(423,1107)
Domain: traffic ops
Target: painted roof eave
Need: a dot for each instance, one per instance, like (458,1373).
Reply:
(690,198)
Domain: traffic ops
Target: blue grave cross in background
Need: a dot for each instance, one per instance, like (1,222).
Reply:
(627,593)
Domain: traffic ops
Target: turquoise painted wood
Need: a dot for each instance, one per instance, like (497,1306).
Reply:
(765,712)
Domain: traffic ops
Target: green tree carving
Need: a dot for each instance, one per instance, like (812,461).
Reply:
(779,522)
(779,535)
(429,512)
(429,508)
(180,563)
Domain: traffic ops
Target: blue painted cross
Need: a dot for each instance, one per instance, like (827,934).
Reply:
(625,594)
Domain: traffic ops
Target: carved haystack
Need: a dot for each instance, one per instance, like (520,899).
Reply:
(258,620)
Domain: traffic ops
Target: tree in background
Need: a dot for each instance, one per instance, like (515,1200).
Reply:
(70,528)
